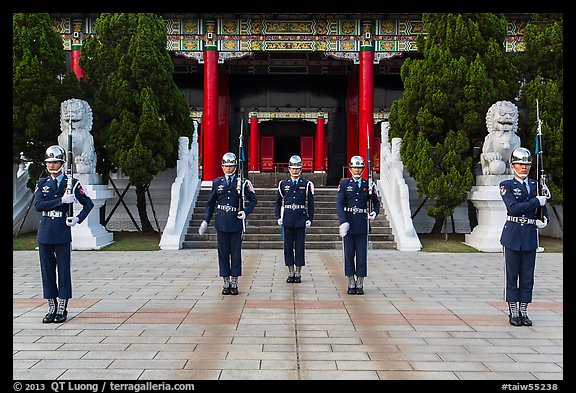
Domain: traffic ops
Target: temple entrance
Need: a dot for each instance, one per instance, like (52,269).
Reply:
(285,147)
(281,139)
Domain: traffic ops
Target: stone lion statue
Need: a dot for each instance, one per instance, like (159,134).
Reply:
(502,125)
(78,114)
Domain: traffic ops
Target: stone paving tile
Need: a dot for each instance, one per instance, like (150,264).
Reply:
(423,317)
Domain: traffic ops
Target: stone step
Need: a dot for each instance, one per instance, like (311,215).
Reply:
(278,245)
(263,231)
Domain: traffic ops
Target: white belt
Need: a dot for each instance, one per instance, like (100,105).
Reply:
(227,208)
(52,213)
(355,210)
(521,220)
(294,206)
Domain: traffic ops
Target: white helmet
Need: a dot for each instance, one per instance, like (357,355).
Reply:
(295,162)
(356,162)
(55,153)
(229,159)
(520,155)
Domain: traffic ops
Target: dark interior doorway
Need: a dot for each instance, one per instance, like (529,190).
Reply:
(285,147)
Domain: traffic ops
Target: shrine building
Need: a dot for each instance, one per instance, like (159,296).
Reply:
(316,85)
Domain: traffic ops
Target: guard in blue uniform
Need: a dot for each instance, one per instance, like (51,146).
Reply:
(294,210)
(226,199)
(352,208)
(54,234)
(520,235)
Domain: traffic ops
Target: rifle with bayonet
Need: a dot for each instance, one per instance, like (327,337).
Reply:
(369,164)
(541,187)
(70,166)
(240,185)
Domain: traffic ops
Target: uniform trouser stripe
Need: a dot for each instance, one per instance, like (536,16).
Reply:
(294,239)
(56,258)
(355,254)
(519,275)
(229,253)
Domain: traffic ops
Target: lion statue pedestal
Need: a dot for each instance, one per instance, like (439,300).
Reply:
(502,124)
(491,211)
(77,114)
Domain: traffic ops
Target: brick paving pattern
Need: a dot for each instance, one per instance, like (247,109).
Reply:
(161,316)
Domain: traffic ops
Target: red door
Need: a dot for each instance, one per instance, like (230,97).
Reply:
(307,153)
(375,151)
(267,150)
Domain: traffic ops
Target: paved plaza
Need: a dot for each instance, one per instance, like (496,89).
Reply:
(160,315)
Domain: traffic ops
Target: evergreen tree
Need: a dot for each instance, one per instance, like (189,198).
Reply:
(141,111)
(447,92)
(542,66)
(39,85)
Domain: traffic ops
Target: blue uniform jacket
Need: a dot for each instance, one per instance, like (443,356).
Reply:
(227,218)
(296,196)
(349,196)
(53,230)
(517,236)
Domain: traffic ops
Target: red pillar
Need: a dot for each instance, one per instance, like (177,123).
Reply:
(75,66)
(223,137)
(351,119)
(319,159)
(254,162)
(366,96)
(210,159)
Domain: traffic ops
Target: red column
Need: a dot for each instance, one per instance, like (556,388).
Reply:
(352,118)
(75,66)
(366,96)
(254,161)
(319,156)
(223,137)
(210,159)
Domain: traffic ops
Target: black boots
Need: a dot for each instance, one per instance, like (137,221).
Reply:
(360,286)
(355,287)
(294,275)
(226,288)
(230,286)
(61,312)
(49,318)
(234,286)
(56,311)
(290,278)
(524,314)
(351,285)
(519,317)
(514,315)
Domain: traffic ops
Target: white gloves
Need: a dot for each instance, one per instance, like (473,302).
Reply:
(241,215)
(343,228)
(71,221)
(308,223)
(68,198)
(372,215)
(279,221)
(203,227)
(542,199)
(542,224)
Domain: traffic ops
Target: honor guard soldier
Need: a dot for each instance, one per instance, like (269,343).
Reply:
(226,198)
(54,233)
(352,208)
(294,211)
(520,235)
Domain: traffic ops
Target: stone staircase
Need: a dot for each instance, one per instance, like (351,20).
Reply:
(262,230)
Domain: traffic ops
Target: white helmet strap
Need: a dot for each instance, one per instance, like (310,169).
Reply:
(520,175)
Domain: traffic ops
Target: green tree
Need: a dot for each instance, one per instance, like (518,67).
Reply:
(542,70)
(39,85)
(463,70)
(141,111)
